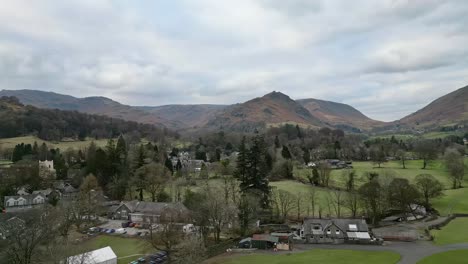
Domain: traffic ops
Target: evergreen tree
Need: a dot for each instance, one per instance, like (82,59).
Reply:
(241,165)
(306,155)
(91,158)
(277,142)
(298,129)
(178,165)
(121,150)
(140,157)
(257,171)
(168,164)
(285,153)
(43,152)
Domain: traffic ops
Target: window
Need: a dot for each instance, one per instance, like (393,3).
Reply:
(352,227)
(337,232)
(328,232)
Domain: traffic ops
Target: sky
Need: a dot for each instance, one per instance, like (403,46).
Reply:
(387,58)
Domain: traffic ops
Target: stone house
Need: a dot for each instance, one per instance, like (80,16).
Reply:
(24,200)
(336,231)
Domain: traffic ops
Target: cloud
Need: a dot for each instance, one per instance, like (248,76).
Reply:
(386,58)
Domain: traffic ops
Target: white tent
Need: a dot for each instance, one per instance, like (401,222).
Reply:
(100,256)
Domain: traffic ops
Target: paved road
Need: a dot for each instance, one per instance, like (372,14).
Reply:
(411,252)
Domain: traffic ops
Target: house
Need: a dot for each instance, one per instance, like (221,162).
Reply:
(334,231)
(99,256)
(22,191)
(150,212)
(69,192)
(24,200)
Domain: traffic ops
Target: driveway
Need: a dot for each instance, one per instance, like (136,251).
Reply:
(116,224)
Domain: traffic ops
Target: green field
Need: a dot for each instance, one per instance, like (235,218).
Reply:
(121,246)
(7,143)
(413,168)
(452,257)
(453,233)
(453,201)
(322,256)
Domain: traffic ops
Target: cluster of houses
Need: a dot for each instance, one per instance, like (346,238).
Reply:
(333,164)
(192,165)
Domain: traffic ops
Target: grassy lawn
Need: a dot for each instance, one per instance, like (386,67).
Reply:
(413,168)
(453,233)
(322,256)
(453,201)
(121,246)
(452,257)
(63,145)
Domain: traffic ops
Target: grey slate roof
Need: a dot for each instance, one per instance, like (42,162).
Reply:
(342,224)
(154,207)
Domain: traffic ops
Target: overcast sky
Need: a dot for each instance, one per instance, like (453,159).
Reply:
(387,58)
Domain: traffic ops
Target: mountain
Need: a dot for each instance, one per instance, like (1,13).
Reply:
(52,124)
(271,109)
(187,115)
(338,115)
(90,105)
(449,109)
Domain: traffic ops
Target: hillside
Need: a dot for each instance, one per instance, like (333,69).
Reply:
(52,124)
(90,105)
(273,108)
(187,115)
(338,115)
(449,109)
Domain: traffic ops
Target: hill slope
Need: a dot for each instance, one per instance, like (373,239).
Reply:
(186,115)
(446,110)
(52,124)
(273,108)
(90,105)
(337,114)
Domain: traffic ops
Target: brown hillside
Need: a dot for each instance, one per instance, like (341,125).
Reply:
(448,109)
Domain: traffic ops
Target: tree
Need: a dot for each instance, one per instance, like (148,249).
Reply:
(306,155)
(314,179)
(401,155)
(313,200)
(324,170)
(373,200)
(285,202)
(277,142)
(166,237)
(154,176)
(403,195)
(352,202)
(204,171)
(169,166)
(285,152)
(283,170)
(427,150)
(377,155)
(219,213)
(248,209)
(190,251)
(350,178)
(337,200)
(456,167)
(429,187)
(241,164)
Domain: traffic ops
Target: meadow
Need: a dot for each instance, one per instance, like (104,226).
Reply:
(454,233)
(9,143)
(452,257)
(323,256)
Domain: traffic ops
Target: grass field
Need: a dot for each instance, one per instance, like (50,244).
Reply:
(322,256)
(121,246)
(413,168)
(7,143)
(453,201)
(452,257)
(453,233)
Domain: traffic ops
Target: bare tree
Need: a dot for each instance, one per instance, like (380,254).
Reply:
(190,251)
(299,205)
(429,187)
(351,202)
(286,202)
(166,236)
(455,166)
(154,178)
(219,213)
(313,200)
(427,150)
(324,172)
(337,201)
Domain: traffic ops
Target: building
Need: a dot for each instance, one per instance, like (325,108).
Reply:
(150,212)
(46,169)
(100,256)
(21,201)
(334,231)
(259,241)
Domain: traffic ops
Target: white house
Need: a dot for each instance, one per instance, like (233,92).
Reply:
(24,200)
(100,256)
